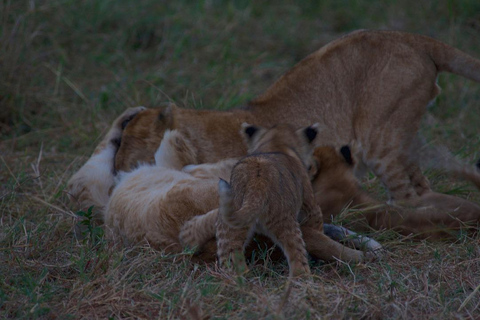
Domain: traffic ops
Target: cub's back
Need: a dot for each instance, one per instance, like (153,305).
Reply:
(275,176)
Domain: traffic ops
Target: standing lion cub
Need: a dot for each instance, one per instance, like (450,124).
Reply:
(269,193)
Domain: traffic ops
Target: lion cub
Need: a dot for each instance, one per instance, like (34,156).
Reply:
(436,215)
(152,202)
(269,193)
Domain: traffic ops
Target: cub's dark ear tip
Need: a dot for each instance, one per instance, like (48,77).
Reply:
(250,131)
(125,122)
(478,164)
(347,154)
(116,142)
(311,133)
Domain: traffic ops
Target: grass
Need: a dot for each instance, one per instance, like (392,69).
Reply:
(69,67)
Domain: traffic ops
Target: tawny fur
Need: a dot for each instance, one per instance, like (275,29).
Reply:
(340,189)
(93,183)
(271,194)
(337,191)
(369,87)
(154,201)
(433,216)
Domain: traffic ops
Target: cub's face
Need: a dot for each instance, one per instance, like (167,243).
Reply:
(141,137)
(331,166)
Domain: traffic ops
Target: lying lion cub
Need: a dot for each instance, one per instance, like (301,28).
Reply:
(154,201)
(270,193)
(337,190)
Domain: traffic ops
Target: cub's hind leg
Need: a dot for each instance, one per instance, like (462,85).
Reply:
(398,171)
(403,178)
(287,235)
(317,243)
(389,143)
(322,247)
(390,168)
(199,230)
(231,244)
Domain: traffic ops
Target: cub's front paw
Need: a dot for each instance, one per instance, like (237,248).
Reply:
(197,170)
(189,168)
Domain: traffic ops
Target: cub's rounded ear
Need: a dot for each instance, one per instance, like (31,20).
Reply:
(311,132)
(167,115)
(125,122)
(347,154)
(249,130)
(128,115)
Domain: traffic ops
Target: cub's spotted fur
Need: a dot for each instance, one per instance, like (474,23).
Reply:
(270,193)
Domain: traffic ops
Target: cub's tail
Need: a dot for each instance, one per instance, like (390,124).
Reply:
(243,217)
(453,60)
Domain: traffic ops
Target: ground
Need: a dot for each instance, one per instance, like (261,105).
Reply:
(69,67)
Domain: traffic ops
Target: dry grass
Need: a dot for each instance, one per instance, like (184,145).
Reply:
(69,67)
